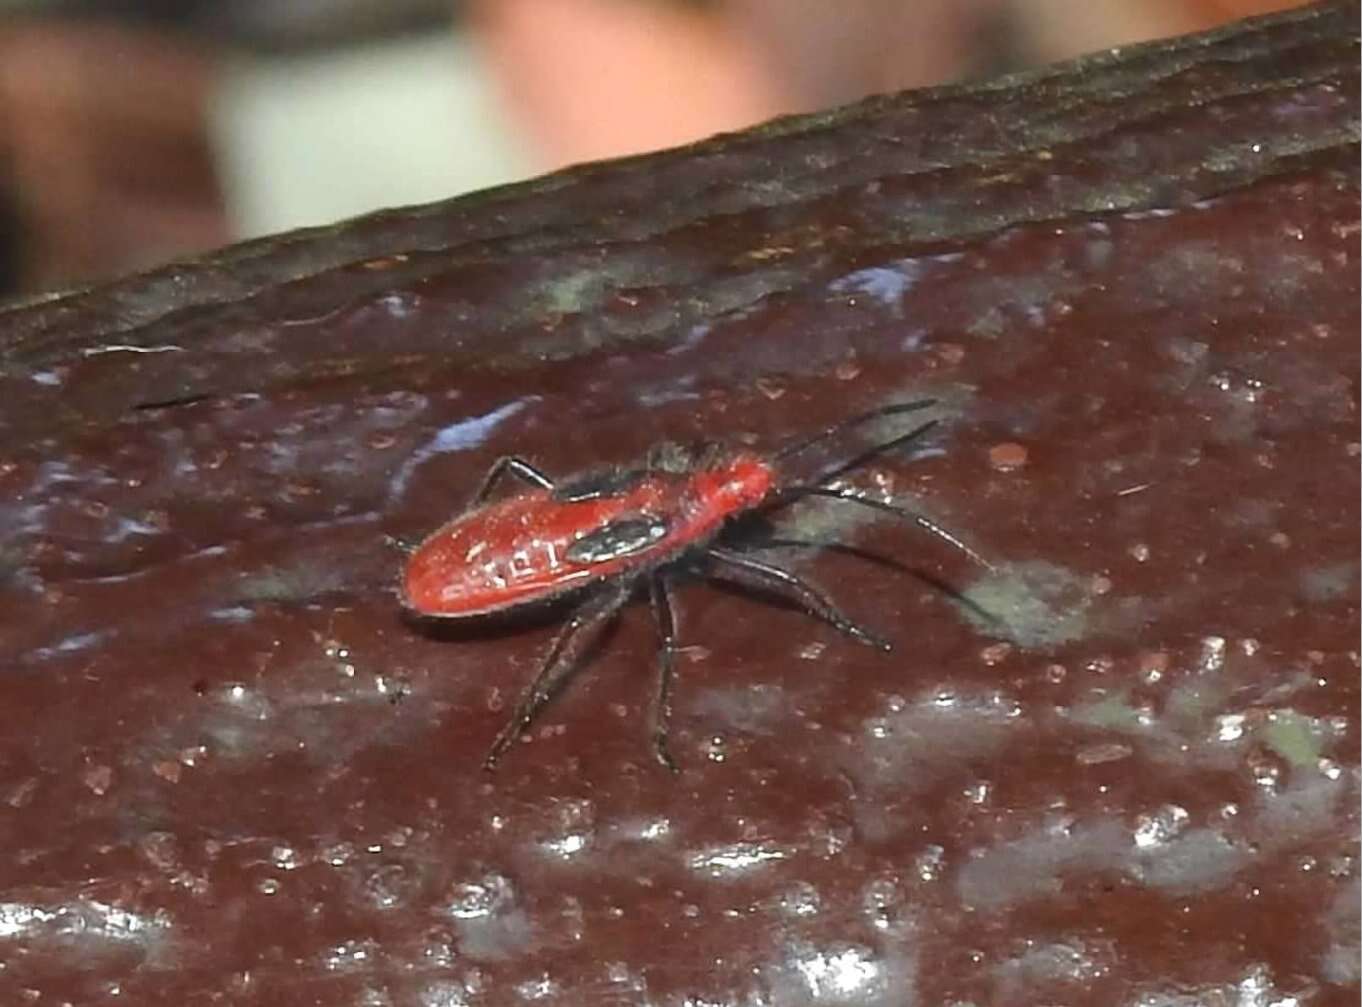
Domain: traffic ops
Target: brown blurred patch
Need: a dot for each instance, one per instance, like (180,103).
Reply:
(104,157)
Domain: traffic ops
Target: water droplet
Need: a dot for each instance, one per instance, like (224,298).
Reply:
(880,902)
(1100,665)
(574,828)
(470,900)
(800,899)
(347,956)
(444,993)
(1159,827)
(655,829)
(994,654)
(98,779)
(715,749)
(567,845)
(1266,774)
(338,854)
(839,973)
(977,793)
(928,863)
(538,989)
(1229,726)
(284,857)
(1212,658)
(734,858)
(385,886)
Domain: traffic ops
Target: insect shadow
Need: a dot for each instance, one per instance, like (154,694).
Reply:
(598,538)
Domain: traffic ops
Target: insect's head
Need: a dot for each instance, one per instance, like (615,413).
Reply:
(738,481)
(681,459)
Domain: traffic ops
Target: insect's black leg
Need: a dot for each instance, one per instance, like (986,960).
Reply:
(923,522)
(963,600)
(568,645)
(516,466)
(754,573)
(829,546)
(666,657)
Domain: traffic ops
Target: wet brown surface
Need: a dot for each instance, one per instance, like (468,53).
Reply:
(231,773)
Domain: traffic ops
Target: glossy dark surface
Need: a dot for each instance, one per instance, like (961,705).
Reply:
(231,773)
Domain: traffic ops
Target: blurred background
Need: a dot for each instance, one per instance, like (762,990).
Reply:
(135,131)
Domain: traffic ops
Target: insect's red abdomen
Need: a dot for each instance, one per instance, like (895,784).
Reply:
(513,551)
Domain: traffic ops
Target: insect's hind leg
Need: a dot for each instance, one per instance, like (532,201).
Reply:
(666,658)
(754,573)
(515,466)
(581,629)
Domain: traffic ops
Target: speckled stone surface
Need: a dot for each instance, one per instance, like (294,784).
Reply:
(231,773)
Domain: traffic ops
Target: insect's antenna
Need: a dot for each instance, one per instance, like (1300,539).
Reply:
(856,461)
(833,431)
(925,523)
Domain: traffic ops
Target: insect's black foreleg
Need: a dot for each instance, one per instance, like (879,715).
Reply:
(559,663)
(666,658)
(754,573)
(516,466)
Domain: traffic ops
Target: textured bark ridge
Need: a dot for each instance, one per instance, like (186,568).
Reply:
(230,772)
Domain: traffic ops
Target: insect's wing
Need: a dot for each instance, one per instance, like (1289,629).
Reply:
(536,545)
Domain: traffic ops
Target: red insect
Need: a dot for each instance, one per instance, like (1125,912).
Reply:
(609,530)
